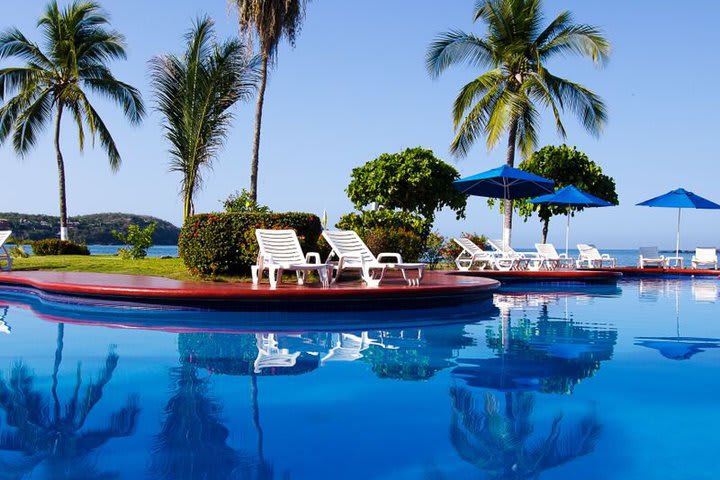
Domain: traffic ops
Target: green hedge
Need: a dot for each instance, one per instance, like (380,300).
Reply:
(54,246)
(225,244)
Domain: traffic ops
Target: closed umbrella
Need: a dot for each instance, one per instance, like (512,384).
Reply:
(507,183)
(570,196)
(680,198)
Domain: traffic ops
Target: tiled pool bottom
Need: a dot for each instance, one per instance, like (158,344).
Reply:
(585,382)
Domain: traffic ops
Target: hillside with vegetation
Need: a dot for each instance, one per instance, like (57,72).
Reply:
(95,229)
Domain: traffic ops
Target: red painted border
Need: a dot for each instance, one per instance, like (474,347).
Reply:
(135,287)
(635,271)
(545,276)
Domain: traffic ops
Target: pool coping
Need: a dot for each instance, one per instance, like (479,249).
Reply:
(139,288)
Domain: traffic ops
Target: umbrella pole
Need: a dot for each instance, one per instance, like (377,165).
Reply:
(677,239)
(506,230)
(567,235)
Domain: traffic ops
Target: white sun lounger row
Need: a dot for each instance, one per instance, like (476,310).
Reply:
(545,258)
(279,250)
(650,257)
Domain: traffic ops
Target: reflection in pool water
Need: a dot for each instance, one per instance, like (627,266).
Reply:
(550,383)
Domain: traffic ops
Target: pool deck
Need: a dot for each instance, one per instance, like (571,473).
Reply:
(552,276)
(437,287)
(661,272)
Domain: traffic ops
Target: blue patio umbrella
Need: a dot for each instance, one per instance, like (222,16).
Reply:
(570,196)
(507,183)
(680,198)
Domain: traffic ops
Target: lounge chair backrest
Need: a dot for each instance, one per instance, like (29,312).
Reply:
(4,235)
(589,252)
(348,242)
(501,246)
(704,254)
(547,250)
(468,245)
(282,246)
(649,252)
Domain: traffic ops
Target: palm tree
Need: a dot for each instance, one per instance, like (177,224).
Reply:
(501,443)
(57,77)
(268,21)
(49,434)
(506,98)
(195,93)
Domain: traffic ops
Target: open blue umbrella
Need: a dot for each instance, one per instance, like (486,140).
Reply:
(507,183)
(570,196)
(680,198)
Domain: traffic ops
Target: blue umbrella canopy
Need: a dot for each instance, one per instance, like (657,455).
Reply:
(680,198)
(507,183)
(504,182)
(570,196)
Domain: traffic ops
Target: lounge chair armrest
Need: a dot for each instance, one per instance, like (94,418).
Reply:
(396,256)
(564,256)
(606,256)
(313,256)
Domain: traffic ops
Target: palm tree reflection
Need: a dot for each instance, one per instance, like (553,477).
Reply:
(52,437)
(500,441)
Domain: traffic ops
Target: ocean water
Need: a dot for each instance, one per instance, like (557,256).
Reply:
(544,382)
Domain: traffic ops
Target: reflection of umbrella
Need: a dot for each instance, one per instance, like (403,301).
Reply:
(570,196)
(678,348)
(507,183)
(680,199)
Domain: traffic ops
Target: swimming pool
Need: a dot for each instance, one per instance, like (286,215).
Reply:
(592,382)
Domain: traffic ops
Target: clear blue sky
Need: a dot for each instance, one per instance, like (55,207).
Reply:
(355,86)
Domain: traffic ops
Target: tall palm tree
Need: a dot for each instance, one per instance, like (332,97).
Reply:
(505,99)
(57,77)
(268,22)
(501,443)
(195,93)
(48,434)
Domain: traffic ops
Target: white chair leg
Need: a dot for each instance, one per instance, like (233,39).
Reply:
(256,274)
(300,277)
(275,275)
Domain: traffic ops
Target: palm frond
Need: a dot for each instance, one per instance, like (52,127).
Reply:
(31,121)
(584,40)
(14,44)
(457,47)
(587,106)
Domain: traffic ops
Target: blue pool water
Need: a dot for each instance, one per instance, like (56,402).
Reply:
(579,382)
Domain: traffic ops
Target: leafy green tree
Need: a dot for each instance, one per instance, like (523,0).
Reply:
(137,239)
(500,442)
(242,202)
(413,180)
(268,22)
(566,166)
(504,99)
(53,436)
(57,77)
(194,94)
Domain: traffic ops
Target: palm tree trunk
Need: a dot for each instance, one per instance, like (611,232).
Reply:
(256,416)
(258,123)
(508,204)
(56,368)
(61,176)
(546,227)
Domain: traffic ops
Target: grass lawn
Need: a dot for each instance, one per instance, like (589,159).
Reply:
(159,267)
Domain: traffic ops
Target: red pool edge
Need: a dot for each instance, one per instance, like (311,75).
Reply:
(435,286)
(559,276)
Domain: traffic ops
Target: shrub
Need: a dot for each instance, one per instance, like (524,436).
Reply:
(242,202)
(389,219)
(433,252)
(225,244)
(54,246)
(400,240)
(137,239)
(451,249)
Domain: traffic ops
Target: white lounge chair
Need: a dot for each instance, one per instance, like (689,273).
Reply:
(705,256)
(279,251)
(650,257)
(353,254)
(5,255)
(553,260)
(592,258)
(472,254)
(510,259)
(270,356)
